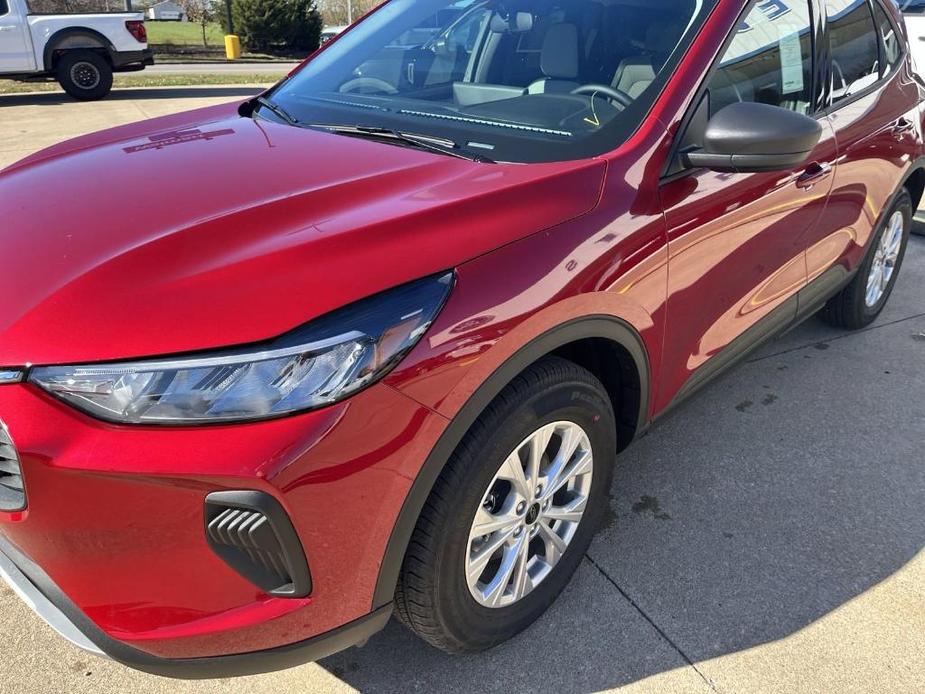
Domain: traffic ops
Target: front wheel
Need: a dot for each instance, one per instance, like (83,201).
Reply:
(513,512)
(85,75)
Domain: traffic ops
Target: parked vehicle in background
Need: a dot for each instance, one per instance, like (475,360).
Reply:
(383,346)
(329,33)
(80,51)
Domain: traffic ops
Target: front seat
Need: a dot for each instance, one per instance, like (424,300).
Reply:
(559,61)
(636,73)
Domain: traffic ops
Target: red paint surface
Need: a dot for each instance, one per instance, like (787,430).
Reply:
(284,225)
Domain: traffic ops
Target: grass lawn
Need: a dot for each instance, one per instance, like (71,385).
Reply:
(137,80)
(181,42)
(184,33)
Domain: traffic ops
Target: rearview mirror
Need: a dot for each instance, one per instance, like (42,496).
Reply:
(750,137)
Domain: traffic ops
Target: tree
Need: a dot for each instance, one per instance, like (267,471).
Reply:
(202,12)
(72,6)
(269,26)
(340,12)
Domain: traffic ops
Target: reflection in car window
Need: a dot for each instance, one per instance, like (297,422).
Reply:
(912,6)
(853,46)
(889,42)
(516,80)
(770,59)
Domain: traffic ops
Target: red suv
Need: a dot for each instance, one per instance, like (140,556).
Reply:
(372,341)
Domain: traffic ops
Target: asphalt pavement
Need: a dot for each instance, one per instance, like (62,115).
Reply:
(767,536)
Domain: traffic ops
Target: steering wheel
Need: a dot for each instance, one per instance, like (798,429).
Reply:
(367,84)
(622,98)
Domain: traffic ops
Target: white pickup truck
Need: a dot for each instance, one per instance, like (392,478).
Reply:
(81,51)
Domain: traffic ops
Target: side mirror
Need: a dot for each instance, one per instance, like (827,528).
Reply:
(750,137)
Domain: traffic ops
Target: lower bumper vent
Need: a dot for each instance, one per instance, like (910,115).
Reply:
(12,489)
(252,533)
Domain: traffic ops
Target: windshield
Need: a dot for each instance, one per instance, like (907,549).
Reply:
(510,80)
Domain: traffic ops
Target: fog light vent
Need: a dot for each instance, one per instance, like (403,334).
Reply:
(251,532)
(12,489)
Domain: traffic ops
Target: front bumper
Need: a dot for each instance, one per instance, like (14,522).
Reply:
(49,603)
(39,602)
(114,535)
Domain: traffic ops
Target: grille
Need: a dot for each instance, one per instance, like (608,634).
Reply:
(251,532)
(12,491)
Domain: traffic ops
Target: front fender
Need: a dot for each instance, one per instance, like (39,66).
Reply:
(589,326)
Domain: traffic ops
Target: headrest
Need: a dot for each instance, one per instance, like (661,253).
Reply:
(662,38)
(559,59)
(517,22)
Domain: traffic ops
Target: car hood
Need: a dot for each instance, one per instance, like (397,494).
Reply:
(208,229)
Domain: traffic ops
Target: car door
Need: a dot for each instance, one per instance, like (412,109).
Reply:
(873,110)
(736,240)
(15,55)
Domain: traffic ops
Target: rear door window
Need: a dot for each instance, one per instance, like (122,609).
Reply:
(912,6)
(890,43)
(853,46)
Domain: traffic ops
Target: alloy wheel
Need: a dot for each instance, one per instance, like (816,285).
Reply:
(885,259)
(85,75)
(529,514)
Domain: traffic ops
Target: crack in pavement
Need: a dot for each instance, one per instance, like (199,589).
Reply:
(835,338)
(655,626)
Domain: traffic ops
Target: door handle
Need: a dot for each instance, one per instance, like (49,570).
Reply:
(7,28)
(901,127)
(814,174)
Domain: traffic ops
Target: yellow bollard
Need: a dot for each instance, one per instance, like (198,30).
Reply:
(232,47)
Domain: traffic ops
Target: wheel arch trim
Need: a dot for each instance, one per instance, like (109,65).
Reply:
(94,40)
(595,326)
(917,167)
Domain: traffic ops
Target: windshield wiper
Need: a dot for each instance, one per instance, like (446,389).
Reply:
(277,110)
(431,143)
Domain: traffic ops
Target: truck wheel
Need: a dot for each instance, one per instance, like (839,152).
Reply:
(85,75)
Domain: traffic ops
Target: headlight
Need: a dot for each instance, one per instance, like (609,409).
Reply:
(319,364)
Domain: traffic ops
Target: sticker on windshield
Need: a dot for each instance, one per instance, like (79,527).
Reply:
(791,63)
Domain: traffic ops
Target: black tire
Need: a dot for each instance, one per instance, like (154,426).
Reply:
(433,597)
(85,75)
(849,308)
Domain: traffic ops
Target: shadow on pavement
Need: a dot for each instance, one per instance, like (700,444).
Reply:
(779,494)
(148,93)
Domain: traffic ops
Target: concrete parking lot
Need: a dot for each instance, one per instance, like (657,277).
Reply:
(767,536)
(34,121)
